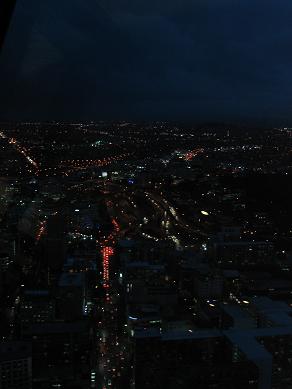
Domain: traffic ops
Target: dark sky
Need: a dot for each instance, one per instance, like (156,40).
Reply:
(210,60)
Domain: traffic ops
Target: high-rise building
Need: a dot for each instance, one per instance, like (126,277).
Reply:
(201,359)
(36,306)
(60,354)
(15,365)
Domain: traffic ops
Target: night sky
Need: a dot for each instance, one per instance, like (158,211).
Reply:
(201,60)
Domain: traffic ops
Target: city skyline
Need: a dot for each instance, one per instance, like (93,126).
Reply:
(145,194)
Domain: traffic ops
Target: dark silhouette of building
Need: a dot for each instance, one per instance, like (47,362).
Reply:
(202,360)
(6,10)
(15,365)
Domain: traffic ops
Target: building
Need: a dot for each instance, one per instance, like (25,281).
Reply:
(241,252)
(208,284)
(60,354)
(200,359)
(71,299)
(36,306)
(15,365)
(148,283)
